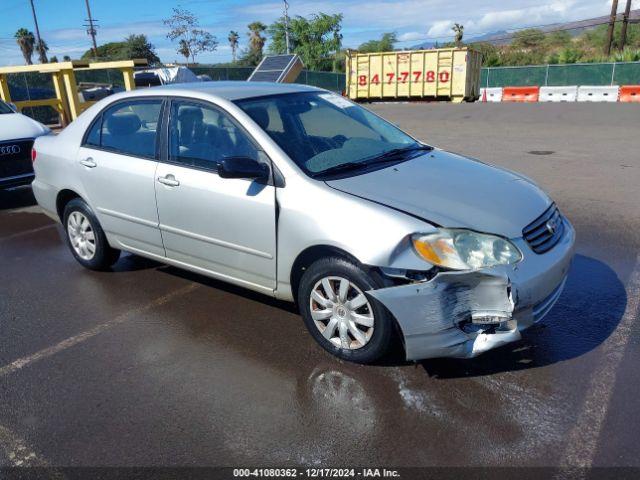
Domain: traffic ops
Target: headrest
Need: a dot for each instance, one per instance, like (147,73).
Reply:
(123,123)
(260,116)
(189,113)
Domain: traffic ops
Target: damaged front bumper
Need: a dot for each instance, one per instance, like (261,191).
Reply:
(463,314)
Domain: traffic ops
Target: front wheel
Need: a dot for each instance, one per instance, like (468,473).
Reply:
(85,237)
(338,313)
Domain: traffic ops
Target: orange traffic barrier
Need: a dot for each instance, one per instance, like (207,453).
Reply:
(520,94)
(630,93)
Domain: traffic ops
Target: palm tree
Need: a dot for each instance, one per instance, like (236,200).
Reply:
(26,41)
(256,40)
(459,31)
(42,49)
(233,42)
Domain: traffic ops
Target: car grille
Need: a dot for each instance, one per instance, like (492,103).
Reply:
(545,231)
(15,158)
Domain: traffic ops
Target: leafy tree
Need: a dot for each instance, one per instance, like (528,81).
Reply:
(183,49)
(528,39)
(316,39)
(385,44)
(490,54)
(234,40)
(185,27)
(137,46)
(560,38)
(66,58)
(134,46)
(459,33)
(53,59)
(26,41)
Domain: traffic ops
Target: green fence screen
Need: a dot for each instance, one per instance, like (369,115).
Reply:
(328,80)
(627,73)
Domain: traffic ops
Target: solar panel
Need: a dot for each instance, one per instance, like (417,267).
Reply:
(277,68)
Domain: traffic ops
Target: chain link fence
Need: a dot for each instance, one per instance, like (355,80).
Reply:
(38,86)
(620,73)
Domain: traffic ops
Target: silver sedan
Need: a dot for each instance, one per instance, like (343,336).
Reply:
(300,194)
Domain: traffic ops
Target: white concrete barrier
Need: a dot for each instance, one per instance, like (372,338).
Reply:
(493,94)
(598,94)
(558,94)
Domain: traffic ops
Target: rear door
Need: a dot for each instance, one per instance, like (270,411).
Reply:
(226,227)
(117,164)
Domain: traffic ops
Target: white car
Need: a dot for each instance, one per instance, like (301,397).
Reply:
(17,134)
(298,193)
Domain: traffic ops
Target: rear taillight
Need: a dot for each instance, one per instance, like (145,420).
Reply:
(33,155)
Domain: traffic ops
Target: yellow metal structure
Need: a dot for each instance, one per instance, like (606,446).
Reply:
(66,101)
(446,73)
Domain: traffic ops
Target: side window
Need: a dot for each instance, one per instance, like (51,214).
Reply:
(129,128)
(200,136)
(93,136)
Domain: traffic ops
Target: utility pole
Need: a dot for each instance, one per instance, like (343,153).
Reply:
(612,24)
(40,45)
(286,25)
(91,29)
(625,21)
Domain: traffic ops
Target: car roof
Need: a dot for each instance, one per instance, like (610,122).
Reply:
(231,90)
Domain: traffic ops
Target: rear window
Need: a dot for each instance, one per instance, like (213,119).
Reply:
(4,108)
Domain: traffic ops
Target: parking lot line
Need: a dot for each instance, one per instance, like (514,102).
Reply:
(17,451)
(27,232)
(583,438)
(75,340)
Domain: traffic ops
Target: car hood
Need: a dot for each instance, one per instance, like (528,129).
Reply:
(14,126)
(453,191)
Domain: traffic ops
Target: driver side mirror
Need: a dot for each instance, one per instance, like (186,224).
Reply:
(242,167)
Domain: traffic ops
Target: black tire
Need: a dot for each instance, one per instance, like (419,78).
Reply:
(382,338)
(104,256)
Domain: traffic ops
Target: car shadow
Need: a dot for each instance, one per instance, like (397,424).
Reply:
(17,198)
(230,288)
(587,312)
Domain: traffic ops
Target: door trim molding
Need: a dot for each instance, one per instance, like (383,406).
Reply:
(124,216)
(215,241)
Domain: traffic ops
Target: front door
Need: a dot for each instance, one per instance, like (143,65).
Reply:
(224,227)
(117,163)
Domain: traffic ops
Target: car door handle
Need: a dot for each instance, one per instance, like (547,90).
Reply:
(169,181)
(89,162)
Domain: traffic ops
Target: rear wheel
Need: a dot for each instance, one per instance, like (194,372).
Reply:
(85,237)
(338,313)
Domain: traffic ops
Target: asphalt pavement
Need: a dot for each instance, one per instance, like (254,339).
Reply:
(148,365)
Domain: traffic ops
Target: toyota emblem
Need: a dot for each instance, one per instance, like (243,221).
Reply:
(9,150)
(552,225)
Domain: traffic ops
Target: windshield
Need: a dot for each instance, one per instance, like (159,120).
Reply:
(325,133)
(4,108)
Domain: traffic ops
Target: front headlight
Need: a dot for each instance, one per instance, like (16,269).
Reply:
(459,249)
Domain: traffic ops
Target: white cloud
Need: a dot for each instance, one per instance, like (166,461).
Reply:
(412,36)
(440,28)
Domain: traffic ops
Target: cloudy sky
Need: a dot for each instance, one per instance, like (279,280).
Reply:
(61,21)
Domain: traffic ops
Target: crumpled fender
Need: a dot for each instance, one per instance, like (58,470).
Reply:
(428,313)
